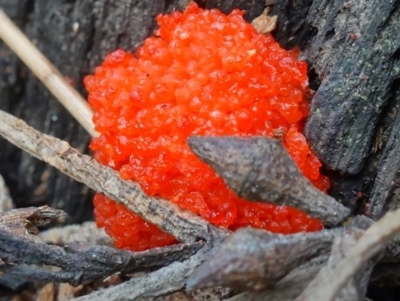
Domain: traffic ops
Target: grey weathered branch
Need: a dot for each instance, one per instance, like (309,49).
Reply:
(79,262)
(260,169)
(292,285)
(58,153)
(82,263)
(296,281)
(251,259)
(184,225)
(166,280)
(384,195)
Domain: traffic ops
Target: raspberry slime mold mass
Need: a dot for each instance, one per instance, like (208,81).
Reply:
(203,73)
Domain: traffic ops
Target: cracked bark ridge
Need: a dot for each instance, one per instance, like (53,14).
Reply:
(260,169)
(356,288)
(82,263)
(252,260)
(184,225)
(79,262)
(355,54)
(384,195)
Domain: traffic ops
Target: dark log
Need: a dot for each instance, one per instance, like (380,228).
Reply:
(353,52)
(356,62)
(358,119)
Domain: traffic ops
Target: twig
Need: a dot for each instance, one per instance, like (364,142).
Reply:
(165,281)
(159,283)
(260,169)
(289,287)
(80,262)
(373,241)
(46,72)
(252,260)
(87,232)
(184,225)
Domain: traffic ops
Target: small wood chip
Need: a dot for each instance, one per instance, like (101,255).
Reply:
(67,291)
(264,23)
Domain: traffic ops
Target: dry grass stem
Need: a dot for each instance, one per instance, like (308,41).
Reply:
(47,73)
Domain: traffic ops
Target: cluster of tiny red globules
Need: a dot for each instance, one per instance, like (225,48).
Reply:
(203,73)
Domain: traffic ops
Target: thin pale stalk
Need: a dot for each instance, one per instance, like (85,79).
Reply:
(47,73)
